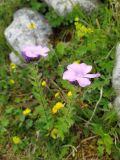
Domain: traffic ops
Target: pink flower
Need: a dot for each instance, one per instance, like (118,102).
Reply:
(79,73)
(34,52)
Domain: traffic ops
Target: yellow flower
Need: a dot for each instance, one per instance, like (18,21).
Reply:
(32,25)
(54,133)
(57,107)
(26,111)
(44,84)
(77,61)
(16,140)
(57,94)
(69,94)
(81,30)
(13,66)
(89,30)
(11,81)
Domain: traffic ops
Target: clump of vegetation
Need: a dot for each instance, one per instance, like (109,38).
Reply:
(43,116)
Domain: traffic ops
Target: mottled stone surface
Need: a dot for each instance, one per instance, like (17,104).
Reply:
(64,6)
(19,35)
(116,82)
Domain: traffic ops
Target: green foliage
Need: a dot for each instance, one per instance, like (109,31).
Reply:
(105,141)
(62,121)
(39,6)
(53,18)
(43,133)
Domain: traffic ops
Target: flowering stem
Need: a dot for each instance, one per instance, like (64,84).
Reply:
(63,94)
(37,90)
(43,101)
(101,93)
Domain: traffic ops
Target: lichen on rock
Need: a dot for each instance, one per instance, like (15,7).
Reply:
(62,7)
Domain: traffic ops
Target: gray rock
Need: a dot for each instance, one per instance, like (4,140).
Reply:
(116,81)
(64,6)
(28,28)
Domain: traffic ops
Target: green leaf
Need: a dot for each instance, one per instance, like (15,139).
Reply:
(60,48)
(100,151)
(108,141)
(36,5)
(98,129)
(3,99)
(110,117)
(29,123)
(9,109)
(100,142)
(67,85)
(4,122)
(80,51)
(17,100)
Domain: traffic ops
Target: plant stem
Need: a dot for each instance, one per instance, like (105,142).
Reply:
(101,93)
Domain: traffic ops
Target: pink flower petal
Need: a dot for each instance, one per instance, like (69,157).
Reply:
(35,51)
(28,51)
(80,69)
(92,75)
(83,82)
(69,75)
(43,50)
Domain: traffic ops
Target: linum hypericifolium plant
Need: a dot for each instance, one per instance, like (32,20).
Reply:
(53,119)
(57,119)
